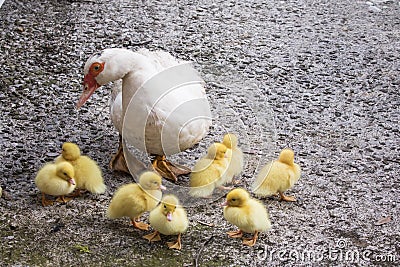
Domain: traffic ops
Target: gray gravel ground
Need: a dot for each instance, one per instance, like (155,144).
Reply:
(319,76)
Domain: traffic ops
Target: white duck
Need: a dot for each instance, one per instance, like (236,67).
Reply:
(161,105)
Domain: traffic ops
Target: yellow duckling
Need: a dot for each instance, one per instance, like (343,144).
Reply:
(132,200)
(235,157)
(278,176)
(169,218)
(209,171)
(87,173)
(56,180)
(249,214)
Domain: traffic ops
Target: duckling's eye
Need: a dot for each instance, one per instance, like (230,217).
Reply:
(65,173)
(233,199)
(165,206)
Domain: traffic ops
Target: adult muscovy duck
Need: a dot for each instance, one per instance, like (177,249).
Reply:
(161,105)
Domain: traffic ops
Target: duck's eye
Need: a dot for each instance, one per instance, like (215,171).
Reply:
(165,206)
(97,67)
(65,173)
(233,199)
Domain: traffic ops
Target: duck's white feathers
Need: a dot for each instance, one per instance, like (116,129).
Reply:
(136,69)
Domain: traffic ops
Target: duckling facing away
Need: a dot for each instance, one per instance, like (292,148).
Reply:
(209,172)
(169,218)
(132,200)
(87,173)
(56,180)
(249,214)
(278,176)
(235,157)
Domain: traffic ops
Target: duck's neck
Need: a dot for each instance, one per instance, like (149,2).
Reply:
(134,70)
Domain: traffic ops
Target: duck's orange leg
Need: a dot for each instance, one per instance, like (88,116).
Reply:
(168,170)
(118,162)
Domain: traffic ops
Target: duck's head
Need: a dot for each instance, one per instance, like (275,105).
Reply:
(102,68)
(216,151)
(70,151)
(236,198)
(168,206)
(230,140)
(151,181)
(287,156)
(66,171)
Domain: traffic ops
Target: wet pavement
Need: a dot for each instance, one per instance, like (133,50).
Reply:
(320,77)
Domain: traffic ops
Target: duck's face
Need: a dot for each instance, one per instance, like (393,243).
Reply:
(236,198)
(66,172)
(92,80)
(70,151)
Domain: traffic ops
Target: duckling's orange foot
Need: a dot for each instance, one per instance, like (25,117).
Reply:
(47,202)
(168,170)
(235,234)
(77,193)
(63,199)
(153,237)
(287,198)
(251,241)
(175,245)
(140,225)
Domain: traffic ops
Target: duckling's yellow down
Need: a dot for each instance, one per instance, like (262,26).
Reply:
(277,176)
(132,200)
(56,179)
(247,213)
(87,173)
(209,171)
(169,218)
(234,155)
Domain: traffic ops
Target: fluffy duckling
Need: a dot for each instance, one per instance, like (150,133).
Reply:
(235,157)
(56,180)
(169,218)
(249,214)
(209,171)
(278,176)
(87,173)
(132,200)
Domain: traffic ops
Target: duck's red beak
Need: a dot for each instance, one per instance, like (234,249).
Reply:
(89,86)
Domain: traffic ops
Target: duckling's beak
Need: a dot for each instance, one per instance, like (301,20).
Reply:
(224,204)
(71,181)
(169,216)
(162,187)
